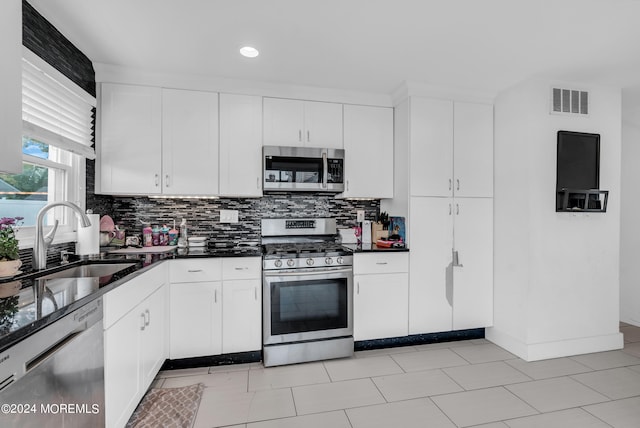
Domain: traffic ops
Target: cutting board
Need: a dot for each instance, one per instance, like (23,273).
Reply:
(145,250)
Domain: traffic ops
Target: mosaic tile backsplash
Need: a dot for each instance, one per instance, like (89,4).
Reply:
(203,215)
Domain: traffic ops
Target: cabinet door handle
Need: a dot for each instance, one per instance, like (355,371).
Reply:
(449,209)
(300,135)
(450,184)
(143,321)
(147,317)
(166,180)
(308,136)
(257,182)
(347,185)
(457,184)
(215,296)
(194,270)
(358,287)
(457,209)
(157,179)
(456,259)
(255,293)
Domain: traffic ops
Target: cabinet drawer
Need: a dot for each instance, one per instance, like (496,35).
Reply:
(380,262)
(127,296)
(195,270)
(241,268)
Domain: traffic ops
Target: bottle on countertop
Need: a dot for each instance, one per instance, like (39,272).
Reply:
(155,234)
(182,241)
(164,235)
(173,235)
(147,235)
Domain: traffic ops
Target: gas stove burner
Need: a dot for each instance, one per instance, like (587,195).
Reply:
(302,244)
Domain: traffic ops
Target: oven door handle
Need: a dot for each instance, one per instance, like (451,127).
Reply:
(307,273)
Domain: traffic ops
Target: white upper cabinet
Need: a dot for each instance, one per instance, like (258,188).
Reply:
(473,150)
(240,145)
(431,136)
(157,141)
(128,151)
(189,142)
(323,125)
(11,86)
(299,123)
(368,144)
(451,148)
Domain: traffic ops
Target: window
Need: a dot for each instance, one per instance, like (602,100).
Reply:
(57,132)
(48,175)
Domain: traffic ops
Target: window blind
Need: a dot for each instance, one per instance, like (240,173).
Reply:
(54,113)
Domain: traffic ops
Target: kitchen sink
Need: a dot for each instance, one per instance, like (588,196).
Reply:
(95,270)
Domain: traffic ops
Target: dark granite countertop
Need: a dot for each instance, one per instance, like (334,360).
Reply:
(372,248)
(29,303)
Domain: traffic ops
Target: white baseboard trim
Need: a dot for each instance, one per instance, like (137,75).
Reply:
(556,349)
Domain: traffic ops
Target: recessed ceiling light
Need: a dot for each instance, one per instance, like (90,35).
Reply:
(249,52)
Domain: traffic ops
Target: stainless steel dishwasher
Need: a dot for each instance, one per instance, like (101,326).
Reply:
(55,377)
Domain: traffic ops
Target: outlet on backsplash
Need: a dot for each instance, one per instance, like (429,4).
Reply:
(228,216)
(360,216)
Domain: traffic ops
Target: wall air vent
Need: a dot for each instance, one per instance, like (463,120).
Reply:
(569,101)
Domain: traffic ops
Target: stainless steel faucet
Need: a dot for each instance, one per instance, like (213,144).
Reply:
(42,242)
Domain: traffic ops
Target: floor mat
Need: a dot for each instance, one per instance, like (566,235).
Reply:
(168,408)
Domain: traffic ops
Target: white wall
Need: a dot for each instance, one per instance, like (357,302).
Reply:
(556,274)
(630,221)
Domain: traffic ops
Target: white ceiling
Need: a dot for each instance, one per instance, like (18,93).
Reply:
(362,45)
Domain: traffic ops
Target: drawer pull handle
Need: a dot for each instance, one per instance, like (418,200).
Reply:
(242,268)
(382,263)
(144,321)
(194,270)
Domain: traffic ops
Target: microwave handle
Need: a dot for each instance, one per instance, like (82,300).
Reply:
(325,172)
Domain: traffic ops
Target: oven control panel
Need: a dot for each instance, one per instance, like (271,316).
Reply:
(306,262)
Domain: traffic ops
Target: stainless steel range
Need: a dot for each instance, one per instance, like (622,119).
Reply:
(307,292)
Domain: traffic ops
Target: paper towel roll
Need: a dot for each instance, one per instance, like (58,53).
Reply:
(89,237)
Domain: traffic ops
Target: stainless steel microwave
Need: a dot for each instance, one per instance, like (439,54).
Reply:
(302,169)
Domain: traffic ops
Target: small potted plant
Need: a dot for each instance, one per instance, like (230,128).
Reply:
(9,255)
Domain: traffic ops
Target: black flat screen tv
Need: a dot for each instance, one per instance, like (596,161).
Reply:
(578,162)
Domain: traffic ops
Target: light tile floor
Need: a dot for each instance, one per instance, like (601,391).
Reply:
(459,384)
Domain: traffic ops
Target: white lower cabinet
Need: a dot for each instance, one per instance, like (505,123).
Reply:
(431,244)
(215,306)
(473,277)
(241,304)
(195,314)
(134,342)
(196,319)
(451,280)
(381,295)
(241,315)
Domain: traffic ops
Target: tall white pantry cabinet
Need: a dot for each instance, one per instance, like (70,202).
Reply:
(444,160)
